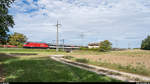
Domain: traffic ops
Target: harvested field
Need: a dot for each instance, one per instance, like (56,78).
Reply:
(128,57)
(132,61)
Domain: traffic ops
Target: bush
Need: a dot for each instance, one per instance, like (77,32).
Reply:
(68,57)
(118,49)
(17,39)
(146,43)
(82,60)
(83,48)
(136,48)
(105,46)
(89,49)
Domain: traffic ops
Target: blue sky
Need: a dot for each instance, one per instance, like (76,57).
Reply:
(122,22)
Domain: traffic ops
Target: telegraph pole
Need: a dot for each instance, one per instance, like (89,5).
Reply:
(57,37)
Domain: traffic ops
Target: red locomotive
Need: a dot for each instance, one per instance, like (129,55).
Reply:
(35,45)
(8,46)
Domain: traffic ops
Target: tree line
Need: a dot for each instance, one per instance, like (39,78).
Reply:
(6,22)
(146,43)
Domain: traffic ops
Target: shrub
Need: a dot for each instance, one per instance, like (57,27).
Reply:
(136,48)
(82,60)
(146,43)
(68,57)
(83,48)
(89,49)
(105,46)
(17,39)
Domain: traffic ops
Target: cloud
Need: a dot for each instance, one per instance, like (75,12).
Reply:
(97,19)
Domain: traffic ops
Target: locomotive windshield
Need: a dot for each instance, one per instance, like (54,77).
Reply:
(26,43)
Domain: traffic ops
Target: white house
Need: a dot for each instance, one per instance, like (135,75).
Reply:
(93,45)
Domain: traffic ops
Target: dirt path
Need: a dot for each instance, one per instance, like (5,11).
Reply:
(128,77)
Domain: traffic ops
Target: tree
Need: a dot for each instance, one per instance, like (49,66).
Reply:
(6,20)
(17,39)
(105,46)
(146,43)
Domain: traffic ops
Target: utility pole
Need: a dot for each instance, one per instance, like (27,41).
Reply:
(57,37)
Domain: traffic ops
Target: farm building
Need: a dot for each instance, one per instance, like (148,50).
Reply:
(93,45)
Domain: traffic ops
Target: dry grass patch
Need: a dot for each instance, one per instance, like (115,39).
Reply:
(133,60)
(132,57)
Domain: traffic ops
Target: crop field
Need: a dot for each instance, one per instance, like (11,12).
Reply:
(134,61)
(133,57)
(35,65)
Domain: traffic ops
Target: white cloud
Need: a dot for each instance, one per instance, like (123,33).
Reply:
(98,19)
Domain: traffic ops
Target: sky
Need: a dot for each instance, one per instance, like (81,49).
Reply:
(123,22)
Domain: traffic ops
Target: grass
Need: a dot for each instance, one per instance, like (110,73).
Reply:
(43,69)
(68,57)
(33,51)
(140,69)
(132,61)
(83,60)
(8,50)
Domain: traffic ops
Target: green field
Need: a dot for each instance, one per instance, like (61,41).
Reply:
(37,68)
(22,50)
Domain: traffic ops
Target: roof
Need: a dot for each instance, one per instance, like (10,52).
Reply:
(93,44)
